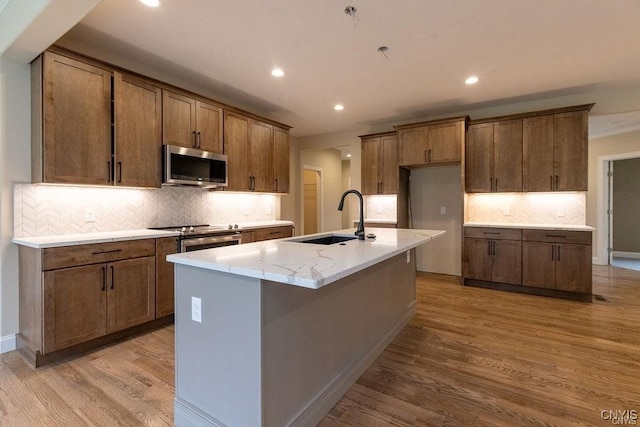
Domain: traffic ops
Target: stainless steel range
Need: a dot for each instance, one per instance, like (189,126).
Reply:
(205,236)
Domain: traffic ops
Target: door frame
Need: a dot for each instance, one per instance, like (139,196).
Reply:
(320,172)
(603,223)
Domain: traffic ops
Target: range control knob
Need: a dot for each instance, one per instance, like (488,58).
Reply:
(230,226)
(183,229)
(235,225)
(191,229)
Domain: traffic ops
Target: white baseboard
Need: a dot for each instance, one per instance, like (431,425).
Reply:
(633,255)
(7,343)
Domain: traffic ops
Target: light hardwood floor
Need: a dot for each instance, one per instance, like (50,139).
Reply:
(470,357)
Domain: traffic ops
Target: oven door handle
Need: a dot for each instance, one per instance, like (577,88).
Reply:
(199,241)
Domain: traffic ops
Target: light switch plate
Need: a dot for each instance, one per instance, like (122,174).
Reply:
(443,210)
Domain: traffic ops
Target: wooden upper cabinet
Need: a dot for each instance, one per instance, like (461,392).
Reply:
(71,121)
(570,150)
(479,158)
(138,129)
(258,154)
(188,122)
(556,151)
(261,156)
(380,171)
(494,157)
(281,160)
(438,142)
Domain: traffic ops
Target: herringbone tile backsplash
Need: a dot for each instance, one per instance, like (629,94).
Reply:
(42,210)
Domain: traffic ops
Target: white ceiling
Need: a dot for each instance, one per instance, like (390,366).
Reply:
(520,50)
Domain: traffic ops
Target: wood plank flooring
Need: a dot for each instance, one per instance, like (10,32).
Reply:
(470,357)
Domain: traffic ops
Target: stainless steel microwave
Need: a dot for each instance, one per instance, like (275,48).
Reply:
(188,166)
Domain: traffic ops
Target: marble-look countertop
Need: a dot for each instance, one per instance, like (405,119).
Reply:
(304,264)
(563,227)
(42,242)
(87,238)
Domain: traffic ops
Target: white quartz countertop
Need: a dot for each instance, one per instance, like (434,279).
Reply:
(42,242)
(564,227)
(87,238)
(304,264)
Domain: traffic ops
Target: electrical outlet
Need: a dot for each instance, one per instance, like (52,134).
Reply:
(408,257)
(443,210)
(196,309)
(506,211)
(90,215)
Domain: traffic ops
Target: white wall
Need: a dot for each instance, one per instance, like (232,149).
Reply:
(15,165)
(432,188)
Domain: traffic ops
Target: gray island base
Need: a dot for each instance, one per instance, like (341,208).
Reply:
(283,352)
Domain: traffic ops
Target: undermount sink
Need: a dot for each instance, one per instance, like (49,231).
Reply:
(327,240)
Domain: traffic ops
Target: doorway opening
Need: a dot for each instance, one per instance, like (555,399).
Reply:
(312,195)
(618,200)
(623,205)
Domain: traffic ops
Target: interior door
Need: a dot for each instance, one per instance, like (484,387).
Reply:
(311,183)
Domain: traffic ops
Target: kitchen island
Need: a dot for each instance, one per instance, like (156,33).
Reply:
(274,333)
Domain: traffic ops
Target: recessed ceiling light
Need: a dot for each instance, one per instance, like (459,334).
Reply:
(151,3)
(471,80)
(277,72)
(339,107)
(348,155)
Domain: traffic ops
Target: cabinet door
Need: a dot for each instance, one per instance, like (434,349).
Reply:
(507,262)
(445,143)
(281,155)
(138,127)
(570,151)
(507,156)
(413,146)
(178,120)
(261,156)
(537,140)
(236,147)
(389,175)
(131,289)
(208,127)
(74,306)
(538,265)
(479,159)
(77,122)
(371,164)
(573,268)
(164,276)
(476,262)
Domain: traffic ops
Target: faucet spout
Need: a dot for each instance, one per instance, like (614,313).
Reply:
(360,230)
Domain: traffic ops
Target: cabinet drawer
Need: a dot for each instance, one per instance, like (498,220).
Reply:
(272,233)
(493,233)
(557,236)
(69,256)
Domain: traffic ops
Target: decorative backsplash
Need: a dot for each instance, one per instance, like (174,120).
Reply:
(42,210)
(381,207)
(529,208)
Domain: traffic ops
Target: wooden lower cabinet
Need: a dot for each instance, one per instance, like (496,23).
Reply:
(497,259)
(557,260)
(82,303)
(267,233)
(542,259)
(164,276)
(76,297)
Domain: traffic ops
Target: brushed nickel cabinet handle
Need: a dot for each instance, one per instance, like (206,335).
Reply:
(104,278)
(553,252)
(112,285)
(558,252)
(276,184)
(111,251)
(193,139)
(199,140)
(429,155)
(119,171)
